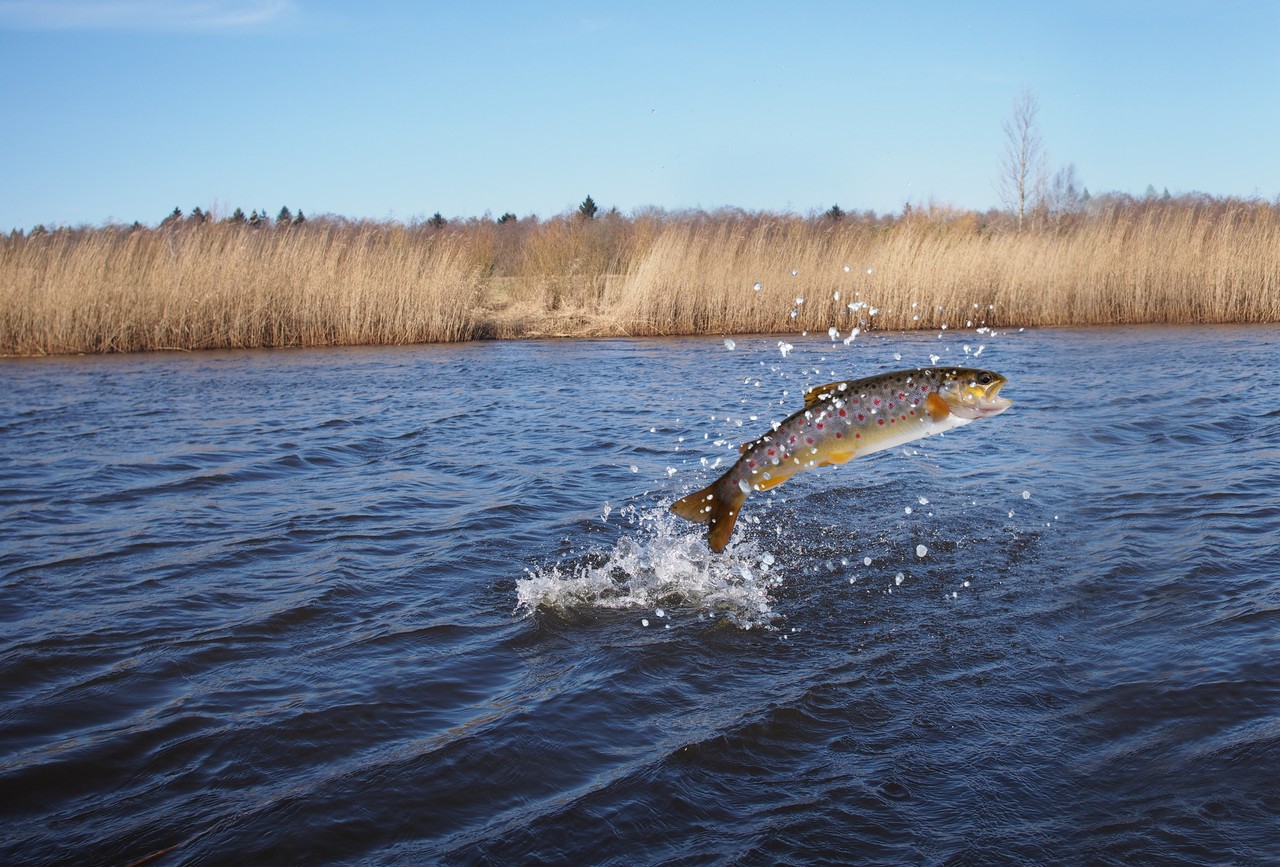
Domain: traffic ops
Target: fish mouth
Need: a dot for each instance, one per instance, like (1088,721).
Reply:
(974,401)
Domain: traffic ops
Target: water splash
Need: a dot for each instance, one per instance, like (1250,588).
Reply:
(659,564)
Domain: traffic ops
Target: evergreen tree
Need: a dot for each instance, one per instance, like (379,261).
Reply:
(508,217)
(836,213)
(284,217)
(175,217)
(588,208)
(198,216)
(299,219)
(437,221)
(237,216)
(255,219)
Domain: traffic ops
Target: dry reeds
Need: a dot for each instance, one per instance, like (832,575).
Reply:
(330,282)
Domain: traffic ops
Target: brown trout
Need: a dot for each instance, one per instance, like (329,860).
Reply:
(841,421)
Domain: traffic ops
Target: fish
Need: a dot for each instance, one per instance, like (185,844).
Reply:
(842,421)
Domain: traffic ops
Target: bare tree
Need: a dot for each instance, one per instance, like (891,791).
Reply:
(1022,168)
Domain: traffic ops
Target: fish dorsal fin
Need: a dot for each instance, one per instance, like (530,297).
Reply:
(819,392)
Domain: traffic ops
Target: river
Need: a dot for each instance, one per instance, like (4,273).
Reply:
(425,605)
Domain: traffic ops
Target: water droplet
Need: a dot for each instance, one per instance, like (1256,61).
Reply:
(833,333)
(1026,495)
(921,550)
(644,621)
(924,501)
(907,510)
(729,344)
(634,468)
(757,287)
(866,561)
(897,579)
(743,486)
(659,612)
(671,471)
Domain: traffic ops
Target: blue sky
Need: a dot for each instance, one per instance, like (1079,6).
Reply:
(122,109)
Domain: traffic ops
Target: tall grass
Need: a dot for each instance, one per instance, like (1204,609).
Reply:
(335,282)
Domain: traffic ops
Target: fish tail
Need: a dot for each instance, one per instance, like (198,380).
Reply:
(716,505)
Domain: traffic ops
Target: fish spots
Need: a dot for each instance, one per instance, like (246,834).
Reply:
(842,413)
(861,417)
(880,421)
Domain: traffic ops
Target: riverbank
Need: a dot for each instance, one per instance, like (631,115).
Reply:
(188,285)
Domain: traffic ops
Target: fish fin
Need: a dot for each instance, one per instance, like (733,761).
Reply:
(938,409)
(697,507)
(838,458)
(724,515)
(821,392)
(763,484)
(716,505)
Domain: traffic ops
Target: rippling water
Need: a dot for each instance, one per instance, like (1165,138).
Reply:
(424,604)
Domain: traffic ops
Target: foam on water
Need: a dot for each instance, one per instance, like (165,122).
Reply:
(659,562)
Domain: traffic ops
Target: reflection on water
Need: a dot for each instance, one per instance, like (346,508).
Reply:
(426,604)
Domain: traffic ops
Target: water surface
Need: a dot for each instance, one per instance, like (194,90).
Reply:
(424,604)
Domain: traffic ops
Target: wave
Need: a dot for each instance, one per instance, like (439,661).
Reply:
(660,562)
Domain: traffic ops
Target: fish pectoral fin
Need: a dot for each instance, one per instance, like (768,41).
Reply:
(938,409)
(838,458)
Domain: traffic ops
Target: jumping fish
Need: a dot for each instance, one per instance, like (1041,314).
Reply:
(841,421)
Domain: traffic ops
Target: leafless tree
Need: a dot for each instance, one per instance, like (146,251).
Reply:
(1021,177)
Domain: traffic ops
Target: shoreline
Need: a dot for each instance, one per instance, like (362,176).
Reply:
(183,287)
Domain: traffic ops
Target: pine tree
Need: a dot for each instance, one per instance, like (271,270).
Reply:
(437,221)
(237,216)
(588,208)
(284,217)
(299,219)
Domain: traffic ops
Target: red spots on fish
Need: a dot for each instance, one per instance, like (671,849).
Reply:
(890,406)
(857,436)
(861,417)
(881,421)
(839,435)
(772,452)
(809,440)
(843,413)
(902,395)
(819,425)
(876,401)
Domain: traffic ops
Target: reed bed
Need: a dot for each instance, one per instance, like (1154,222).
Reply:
(332,282)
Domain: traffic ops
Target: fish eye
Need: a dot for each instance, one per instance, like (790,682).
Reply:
(984,379)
